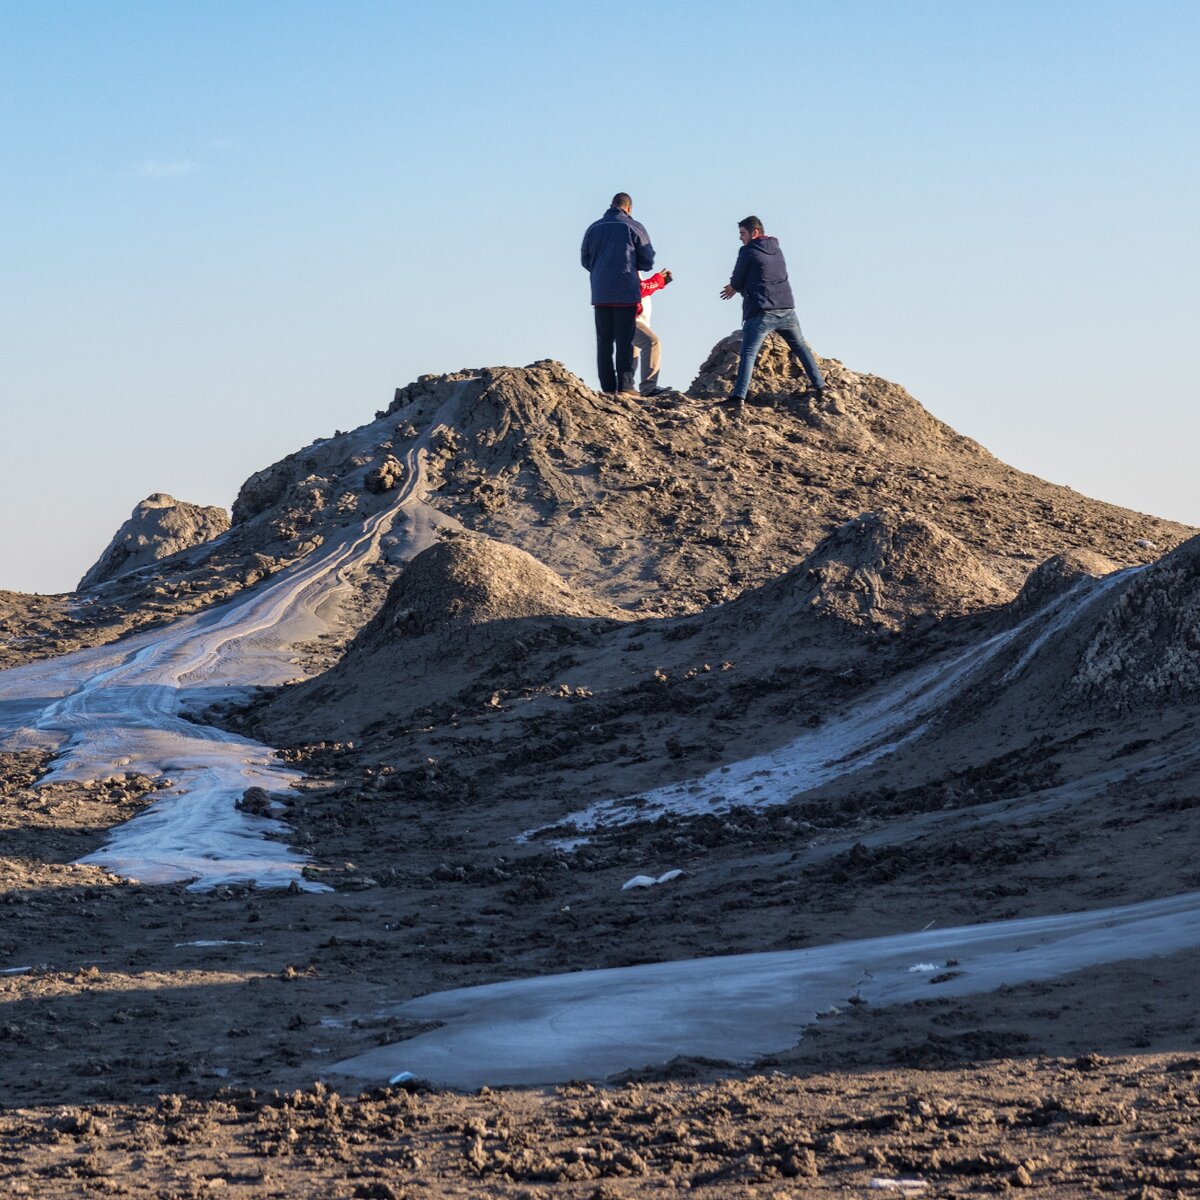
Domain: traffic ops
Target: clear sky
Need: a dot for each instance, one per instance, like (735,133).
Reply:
(230,227)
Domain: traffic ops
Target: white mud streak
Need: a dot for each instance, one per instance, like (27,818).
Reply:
(122,708)
(847,743)
(592,1024)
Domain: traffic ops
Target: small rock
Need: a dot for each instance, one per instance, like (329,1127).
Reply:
(385,477)
(255,800)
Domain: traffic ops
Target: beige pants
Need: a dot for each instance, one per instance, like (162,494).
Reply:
(648,350)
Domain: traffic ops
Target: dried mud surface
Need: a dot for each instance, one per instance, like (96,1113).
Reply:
(700,588)
(1083,1127)
(142,1061)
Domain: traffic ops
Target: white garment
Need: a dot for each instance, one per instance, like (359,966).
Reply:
(644,315)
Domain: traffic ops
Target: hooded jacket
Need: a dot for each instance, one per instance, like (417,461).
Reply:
(760,274)
(615,248)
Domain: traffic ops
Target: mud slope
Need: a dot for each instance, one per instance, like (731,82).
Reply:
(476,629)
(464,617)
(660,508)
(834,673)
(1110,664)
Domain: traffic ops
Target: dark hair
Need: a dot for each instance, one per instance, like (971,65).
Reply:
(622,200)
(751,225)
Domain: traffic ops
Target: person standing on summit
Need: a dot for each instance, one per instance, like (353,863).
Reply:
(615,248)
(647,346)
(760,275)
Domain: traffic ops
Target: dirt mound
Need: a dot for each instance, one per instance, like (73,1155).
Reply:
(670,507)
(1057,575)
(861,410)
(885,568)
(462,617)
(466,584)
(159,527)
(1147,648)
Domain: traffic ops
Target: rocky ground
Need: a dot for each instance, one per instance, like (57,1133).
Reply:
(215,1001)
(628,596)
(1078,1127)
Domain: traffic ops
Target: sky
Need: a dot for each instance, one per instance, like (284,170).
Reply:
(229,228)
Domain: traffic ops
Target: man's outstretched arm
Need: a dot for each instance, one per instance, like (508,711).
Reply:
(655,283)
(737,281)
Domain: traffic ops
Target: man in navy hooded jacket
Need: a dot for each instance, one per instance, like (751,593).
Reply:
(760,274)
(615,249)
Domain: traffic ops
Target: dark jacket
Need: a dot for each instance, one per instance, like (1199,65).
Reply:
(760,274)
(615,249)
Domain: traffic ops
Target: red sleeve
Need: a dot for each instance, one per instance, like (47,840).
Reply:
(653,284)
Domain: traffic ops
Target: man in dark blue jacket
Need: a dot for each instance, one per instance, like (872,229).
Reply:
(760,274)
(615,249)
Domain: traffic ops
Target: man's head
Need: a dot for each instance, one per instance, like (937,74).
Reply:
(622,201)
(750,228)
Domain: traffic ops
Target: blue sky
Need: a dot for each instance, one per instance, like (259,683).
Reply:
(229,228)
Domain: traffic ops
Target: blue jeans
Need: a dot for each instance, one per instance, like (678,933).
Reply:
(754,332)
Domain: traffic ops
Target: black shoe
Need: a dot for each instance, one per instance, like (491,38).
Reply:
(732,403)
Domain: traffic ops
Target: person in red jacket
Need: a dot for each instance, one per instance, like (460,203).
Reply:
(646,345)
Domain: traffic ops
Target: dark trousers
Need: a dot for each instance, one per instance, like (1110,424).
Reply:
(614,346)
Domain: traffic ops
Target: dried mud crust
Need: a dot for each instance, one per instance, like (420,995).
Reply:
(1071,1128)
(115,992)
(57,822)
(611,494)
(136,989)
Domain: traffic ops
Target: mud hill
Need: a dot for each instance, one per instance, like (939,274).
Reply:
(463,616)
(819,672)
(671,507)
(1146,651)
(159,527)
(863,515)
(661,508)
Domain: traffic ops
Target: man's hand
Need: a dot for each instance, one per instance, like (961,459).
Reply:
(727,292)
(667,277)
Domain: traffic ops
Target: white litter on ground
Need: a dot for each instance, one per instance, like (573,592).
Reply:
(206,943)
(645,881)
(592,1024)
